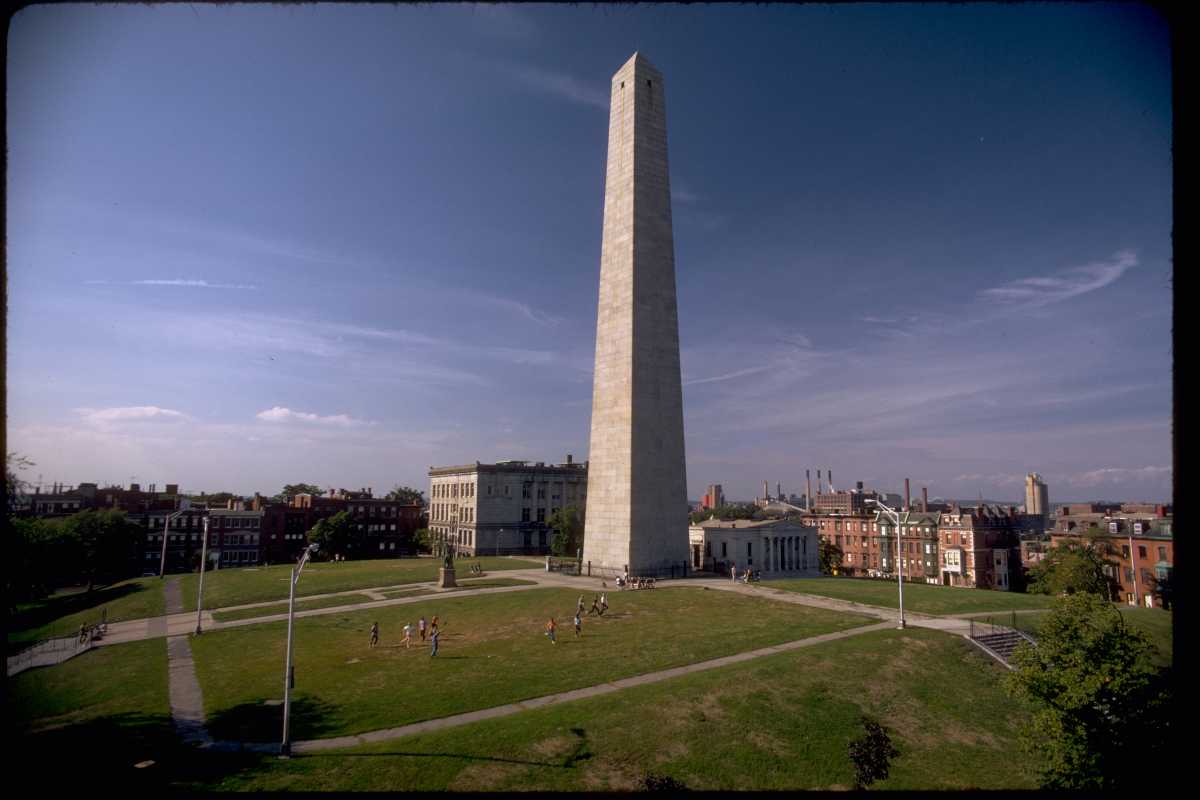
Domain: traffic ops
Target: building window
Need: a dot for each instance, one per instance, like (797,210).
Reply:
(724,552)
(524,515)
(1141,551)
(1124,551)
(541,515)
(1162,554)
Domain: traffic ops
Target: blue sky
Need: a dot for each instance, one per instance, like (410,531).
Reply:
(254,245)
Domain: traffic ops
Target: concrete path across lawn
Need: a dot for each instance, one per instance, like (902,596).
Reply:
(315,745)
(187,701)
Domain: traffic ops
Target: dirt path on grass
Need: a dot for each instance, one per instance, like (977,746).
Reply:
(183,687)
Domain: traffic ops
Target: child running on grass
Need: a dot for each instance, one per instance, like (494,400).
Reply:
(595,605)
(603,603)
(374,634)
(421,627)
(407,640)
(550,627)
(578,624)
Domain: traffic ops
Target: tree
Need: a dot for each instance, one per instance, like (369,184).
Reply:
(406,494)
(107,544)
(292,489)
(567,539)
(829,555)
(14,486)
(335,535)
(872,754)
(423,540)
(726,512)
(1101,704)
(1075,567)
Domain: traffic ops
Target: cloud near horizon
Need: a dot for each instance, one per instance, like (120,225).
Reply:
(185,282)
(131,413)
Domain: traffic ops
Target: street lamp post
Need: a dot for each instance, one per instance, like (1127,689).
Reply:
(203,564)
(162,561)
(289,676)
(899,572)
(499,539)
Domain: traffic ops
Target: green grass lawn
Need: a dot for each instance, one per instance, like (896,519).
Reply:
(779,722)
(1154,622)
(493,652)
(235,587)
(920,597)
(304,604)
(94,716)
(63,613)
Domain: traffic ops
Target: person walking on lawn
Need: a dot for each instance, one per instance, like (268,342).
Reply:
(407,640)
(579,605)
(550,628)
(375,634)
(578,624)
(595,609)
(421,627)
(433,625)
(603,603)
(434,635)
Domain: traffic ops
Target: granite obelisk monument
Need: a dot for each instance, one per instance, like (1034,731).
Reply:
(637,489)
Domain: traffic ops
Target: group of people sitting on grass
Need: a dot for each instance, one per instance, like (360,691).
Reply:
(625,582)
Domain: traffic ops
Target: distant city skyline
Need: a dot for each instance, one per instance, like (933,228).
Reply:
(257,245)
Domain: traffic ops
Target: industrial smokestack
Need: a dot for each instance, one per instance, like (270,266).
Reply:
(906,499)
(808,503)
(766,491)
(829,474)
(820,486)
(924,498)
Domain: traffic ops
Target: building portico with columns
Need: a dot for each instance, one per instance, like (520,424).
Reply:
(776,548)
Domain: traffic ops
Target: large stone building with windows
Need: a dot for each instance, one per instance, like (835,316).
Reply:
(776,548)
(503,508)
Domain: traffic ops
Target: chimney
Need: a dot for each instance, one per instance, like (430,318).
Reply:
(906,498)
(924,498)
(829,475)
(766,491)
(569,458)
(808,503)
(820,488)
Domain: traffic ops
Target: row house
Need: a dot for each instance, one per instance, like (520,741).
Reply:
(980,548)
(1141,555)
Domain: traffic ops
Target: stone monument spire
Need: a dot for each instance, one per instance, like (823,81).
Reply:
(637,489)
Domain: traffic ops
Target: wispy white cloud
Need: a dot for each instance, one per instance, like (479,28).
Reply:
(130,414)
(184,282)
(1065,284)
(511,306)
(559,84)
(283,414)
(682,195)
(728,376)
(998,478)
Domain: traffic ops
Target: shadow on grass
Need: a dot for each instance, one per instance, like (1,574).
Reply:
(257,722)
(50,609)
(107,752)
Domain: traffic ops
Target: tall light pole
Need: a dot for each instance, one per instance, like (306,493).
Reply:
(499,538)
(184,505)
(203,564)
(289,676)
(1137,601)
(899,573)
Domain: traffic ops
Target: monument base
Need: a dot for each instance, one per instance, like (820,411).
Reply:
(446,578)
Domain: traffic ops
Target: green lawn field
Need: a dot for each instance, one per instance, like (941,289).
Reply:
(493,652)
(921,597)
(63,613)
(1154,622)
(779,722)
(307,604)
(105,710)
(235,587)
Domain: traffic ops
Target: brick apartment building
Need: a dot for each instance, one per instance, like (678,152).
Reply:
(1140,549)
(980,547)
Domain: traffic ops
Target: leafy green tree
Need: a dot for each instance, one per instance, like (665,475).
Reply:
(107,544)
(336,535)
(727,512)
(567,539)
(1101,704)
(1075,567)
(292,489)
(872,754)
(406,494)
(829,555)
(423,540)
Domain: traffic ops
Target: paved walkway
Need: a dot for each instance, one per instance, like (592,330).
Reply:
(187,701)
